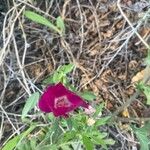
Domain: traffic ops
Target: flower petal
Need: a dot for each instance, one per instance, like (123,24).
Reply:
(76,100)
(44,102)
(44,107)
(59,100)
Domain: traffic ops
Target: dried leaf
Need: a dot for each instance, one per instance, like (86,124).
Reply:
(138,77)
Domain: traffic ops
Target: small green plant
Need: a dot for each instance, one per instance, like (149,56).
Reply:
(59,27)
(60,75)
(30,104)
(81,129)
(142,85)
(17,140)
(146,90)
(143,135)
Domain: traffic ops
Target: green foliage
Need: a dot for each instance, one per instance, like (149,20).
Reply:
(77,127)
(146,90)
(66,68)
(60,24)
(142,86)
(48,80)
(25,145)
(11,144)
(88,95)
(102,121)
(99,109)
(59,28)
(66,133)
(87,142)
(147,60)
(70,133)
(30,103)
(16,141)
(143,135)
(60,75)
(47,147)
(90,135)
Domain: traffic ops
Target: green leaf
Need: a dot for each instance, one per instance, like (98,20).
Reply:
(143,136)
(58,77)
(146,90)
(66,147)
(102,121)
(100,138)
(69,123)
(87,142)
(66,68)
(109,141)
(60,73)
(24,145)
(47,147)
(69,135)
(140,85)
(72,88)
(99,141)
(30,103)
(147,59)
(99,109)
(76,146)
(56,129)
(48,80)
(99,135)
(88,96)
(33,143)
(41,20)
(11,144)
(60,24)
(50,117)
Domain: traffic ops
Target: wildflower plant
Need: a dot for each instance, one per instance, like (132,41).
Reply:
(58,27)
(59,100)
(72,121)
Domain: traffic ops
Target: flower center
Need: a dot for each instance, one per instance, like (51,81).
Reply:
(62,102)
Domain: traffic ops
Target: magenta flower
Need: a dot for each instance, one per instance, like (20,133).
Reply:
(59,100)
